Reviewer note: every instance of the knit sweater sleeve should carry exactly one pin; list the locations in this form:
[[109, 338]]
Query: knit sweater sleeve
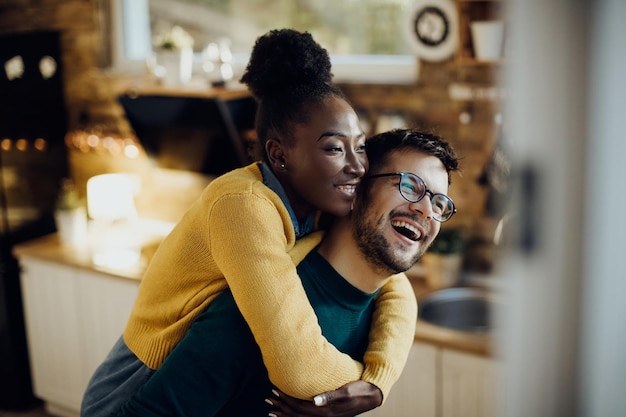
[[393, 325], [250, 237], [391, 334]]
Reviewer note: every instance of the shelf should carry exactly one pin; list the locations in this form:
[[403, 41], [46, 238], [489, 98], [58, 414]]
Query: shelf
[[472, 11], [471, 61]]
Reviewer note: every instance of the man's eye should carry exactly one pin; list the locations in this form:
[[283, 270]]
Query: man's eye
[[439, 203], [409, 188]]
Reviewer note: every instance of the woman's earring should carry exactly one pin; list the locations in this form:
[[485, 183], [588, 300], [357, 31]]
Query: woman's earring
[[283, 166]]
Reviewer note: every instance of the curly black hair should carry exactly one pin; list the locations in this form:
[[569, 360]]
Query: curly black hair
[[288, 73]]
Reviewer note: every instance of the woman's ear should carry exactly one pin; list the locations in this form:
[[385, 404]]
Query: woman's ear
[[275, 154]]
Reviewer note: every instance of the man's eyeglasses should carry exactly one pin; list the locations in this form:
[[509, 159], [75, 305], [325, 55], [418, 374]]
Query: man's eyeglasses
[[413, 189]]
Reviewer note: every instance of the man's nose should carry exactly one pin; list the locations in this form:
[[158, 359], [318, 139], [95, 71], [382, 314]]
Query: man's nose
[[423, 207]]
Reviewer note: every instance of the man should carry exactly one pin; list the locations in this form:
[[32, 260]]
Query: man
[[217, 370]]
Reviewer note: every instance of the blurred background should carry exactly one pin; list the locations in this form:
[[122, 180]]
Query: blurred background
[[531, 94]]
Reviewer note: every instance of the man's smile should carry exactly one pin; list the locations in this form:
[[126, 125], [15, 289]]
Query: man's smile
[[406, 229]]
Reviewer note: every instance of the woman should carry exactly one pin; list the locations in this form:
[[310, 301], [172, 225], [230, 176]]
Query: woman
[[241, 234]]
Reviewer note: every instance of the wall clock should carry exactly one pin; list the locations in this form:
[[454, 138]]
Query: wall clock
[[432, 28]]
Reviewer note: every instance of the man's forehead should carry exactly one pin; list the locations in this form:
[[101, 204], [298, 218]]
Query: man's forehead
[[404, 160], [425, 166]]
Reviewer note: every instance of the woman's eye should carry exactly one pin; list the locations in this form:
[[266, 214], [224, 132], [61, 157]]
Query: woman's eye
[[334, 149], [360, 148]]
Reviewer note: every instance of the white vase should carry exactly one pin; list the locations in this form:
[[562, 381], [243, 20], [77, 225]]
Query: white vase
[[488, 38], [72, 226], [176, 66]]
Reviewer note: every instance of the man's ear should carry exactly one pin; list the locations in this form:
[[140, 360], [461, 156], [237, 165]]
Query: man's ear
[[275, 154]]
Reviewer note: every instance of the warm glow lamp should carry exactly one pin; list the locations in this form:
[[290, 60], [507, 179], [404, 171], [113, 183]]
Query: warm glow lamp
[[111, 206], [110, 197]]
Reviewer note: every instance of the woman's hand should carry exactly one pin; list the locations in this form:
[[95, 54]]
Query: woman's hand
[[350, 400]]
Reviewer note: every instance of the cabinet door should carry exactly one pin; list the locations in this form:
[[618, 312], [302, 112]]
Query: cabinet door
[[73, 318], [105, 303], [415, 392], [52, 317], [468, 385]]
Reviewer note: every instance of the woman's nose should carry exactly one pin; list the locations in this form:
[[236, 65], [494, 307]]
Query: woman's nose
[[356, 164]]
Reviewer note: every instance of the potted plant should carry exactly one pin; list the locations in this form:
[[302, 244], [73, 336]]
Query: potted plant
[[174, 56], [443, 260]]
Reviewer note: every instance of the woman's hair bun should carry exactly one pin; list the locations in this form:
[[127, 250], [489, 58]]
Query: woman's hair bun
[[285, 59]]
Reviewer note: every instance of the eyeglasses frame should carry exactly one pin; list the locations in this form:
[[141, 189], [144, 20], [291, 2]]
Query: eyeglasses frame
[[426, 191]]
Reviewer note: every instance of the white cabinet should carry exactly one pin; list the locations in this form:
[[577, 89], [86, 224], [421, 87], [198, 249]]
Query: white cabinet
[[73, 318], [438, 382], [415, 392], [468, 384]]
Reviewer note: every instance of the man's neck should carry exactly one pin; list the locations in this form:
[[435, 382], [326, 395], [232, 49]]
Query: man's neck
[[340, 249]]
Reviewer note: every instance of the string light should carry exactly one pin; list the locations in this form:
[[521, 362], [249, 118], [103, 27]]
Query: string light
[[21, 144], [40, 144], [95, 141]]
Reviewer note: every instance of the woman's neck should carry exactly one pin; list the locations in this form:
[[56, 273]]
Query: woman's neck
[[301, 208]]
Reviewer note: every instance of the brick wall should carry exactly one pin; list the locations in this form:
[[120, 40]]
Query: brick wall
[[80, 23], [427, 104]]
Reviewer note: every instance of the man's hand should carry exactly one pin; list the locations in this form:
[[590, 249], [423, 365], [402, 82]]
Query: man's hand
[[352, 399]]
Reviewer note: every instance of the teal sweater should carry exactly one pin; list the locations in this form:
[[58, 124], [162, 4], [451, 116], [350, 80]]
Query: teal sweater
[[217, 369]]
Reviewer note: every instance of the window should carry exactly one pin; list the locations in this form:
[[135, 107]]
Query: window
[[365, 38]]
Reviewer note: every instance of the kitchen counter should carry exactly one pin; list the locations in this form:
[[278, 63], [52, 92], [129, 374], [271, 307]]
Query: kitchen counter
[[480, 343], [146, 237], [476, 343], [50, 249]]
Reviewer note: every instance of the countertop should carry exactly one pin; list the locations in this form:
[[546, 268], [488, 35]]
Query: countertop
[[479, 343], [49, 248], [144, 237]]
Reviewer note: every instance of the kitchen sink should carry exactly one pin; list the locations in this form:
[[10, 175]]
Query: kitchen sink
[[460, 308]]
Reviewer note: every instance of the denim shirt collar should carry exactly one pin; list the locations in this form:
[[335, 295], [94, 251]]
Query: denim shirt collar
[[269, 179]]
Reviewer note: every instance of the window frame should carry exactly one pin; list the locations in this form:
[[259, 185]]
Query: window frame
[[365, 69]]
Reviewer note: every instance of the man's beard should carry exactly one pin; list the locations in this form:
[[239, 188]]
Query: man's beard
[[376, 249]]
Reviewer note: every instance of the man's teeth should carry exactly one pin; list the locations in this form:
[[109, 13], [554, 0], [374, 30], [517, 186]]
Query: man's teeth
[[406, 229]]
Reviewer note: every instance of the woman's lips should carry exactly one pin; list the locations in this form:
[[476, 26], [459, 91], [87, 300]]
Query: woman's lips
[[347, 189]]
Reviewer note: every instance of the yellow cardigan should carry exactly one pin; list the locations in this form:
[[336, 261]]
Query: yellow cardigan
[[239, 234]]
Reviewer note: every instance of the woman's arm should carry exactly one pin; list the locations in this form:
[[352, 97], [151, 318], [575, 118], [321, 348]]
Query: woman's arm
[[205, 374], [358, 397], [392, 333], [249, 237], [350, 400]]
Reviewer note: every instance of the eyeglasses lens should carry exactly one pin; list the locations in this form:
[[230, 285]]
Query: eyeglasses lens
[[413, 189], [442, 206]]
